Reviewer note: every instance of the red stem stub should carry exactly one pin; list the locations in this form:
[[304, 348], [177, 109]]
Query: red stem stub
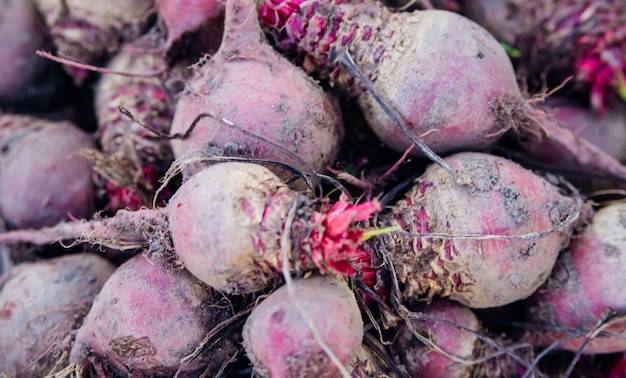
[[303, 25], [334, 240], [602, 49], [275, 13]]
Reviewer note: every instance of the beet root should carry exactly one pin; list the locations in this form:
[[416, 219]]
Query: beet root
[[445, 76], [41, 303], [133, 159], [422, 361], [486, 238], [256, 204], [585, 292], [273, 100], [456, 111], [278, 335], [43, 181], [147, 318]]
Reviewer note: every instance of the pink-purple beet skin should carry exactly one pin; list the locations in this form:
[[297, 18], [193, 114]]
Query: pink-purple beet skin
[[411, 60], [278, 335], [448, 79], [43, 179], [147, 318], [586, 289], [41, 304], [249, 84], [246, 200], [22, 33], [86, 31], [133, 159], [440, 251]]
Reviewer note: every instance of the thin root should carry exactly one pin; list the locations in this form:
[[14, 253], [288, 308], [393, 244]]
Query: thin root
[[89, 67]]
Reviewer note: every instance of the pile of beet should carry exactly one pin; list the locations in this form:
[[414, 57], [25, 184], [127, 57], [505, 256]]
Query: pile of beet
[[313, 188]]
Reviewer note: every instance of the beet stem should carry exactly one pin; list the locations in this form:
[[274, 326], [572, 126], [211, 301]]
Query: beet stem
[[123, 231]]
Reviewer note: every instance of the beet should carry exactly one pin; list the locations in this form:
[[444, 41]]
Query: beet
[[22, 33], [147, 318], [86, 31], [454, 350], [560, 38], [41, 304], [585, 290], [249, 84], [43, 179], [453, 239], [444, 80], [278, 335], [133, 159]]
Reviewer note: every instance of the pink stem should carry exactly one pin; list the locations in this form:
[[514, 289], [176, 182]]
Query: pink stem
[[89, 67], [241, 26], [126, 230]]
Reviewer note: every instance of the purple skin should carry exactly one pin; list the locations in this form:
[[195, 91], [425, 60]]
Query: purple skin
[[369, 33], [436, 321], [446, 76], [22, 33], [133, 159], [423, 362], [274, 100], [43, 180], [147, 318], [279, 340], [586, 286], [493, 196], [41, 304]]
